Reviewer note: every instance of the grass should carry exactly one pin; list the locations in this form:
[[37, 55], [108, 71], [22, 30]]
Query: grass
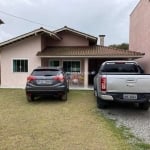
[[50, 124]]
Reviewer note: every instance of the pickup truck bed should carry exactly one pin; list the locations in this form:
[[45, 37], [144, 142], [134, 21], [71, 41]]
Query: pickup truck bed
[[123, 86]]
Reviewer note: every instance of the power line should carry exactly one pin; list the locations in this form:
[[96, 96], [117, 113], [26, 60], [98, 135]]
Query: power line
[[21, 18]]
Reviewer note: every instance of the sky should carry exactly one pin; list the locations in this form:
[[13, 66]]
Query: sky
[[94, 17]]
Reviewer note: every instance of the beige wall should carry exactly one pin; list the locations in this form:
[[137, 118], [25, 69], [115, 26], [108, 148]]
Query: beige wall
[[140, 32], [68, 39], [25, 49]]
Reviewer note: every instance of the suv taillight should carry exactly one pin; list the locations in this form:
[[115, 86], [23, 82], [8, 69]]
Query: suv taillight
[[103, 84], [59, 78], [30, 78]]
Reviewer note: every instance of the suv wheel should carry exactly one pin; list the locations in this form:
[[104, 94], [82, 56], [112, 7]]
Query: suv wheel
[[30, 98], [64, 96]]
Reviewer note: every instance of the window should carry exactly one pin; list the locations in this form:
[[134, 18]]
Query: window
[[128, 68], [71, 66], [45, 72], [54, 63], [20, 65]]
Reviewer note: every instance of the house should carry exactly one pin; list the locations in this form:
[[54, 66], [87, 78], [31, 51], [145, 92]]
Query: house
[[139, 39], [77, 52], [1, 22]]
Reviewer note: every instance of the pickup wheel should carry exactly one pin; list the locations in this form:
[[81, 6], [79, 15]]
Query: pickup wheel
[[101, 103], [144, 106], [95, 92]]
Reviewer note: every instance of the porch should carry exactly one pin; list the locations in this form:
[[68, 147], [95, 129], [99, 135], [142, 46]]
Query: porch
[[76, 69], [80, 71], [82, 63]]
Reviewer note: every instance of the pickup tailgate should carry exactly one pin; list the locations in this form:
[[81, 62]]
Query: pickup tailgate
[[128, 83]]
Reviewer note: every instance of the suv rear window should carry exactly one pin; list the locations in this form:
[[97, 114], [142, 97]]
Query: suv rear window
[[45, 72], [124, 68]]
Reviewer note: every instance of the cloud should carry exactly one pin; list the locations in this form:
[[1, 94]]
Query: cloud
[[16, 2], [4, 35], [90, 16]]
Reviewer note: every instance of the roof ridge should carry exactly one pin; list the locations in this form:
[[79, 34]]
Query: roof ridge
[[75, 31]]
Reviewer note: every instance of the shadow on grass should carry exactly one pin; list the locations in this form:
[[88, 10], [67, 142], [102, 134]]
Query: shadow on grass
[[47, 99]]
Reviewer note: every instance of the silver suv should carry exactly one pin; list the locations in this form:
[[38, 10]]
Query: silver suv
[[47, 81]]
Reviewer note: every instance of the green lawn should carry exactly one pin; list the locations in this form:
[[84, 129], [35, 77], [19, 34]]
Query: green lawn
[[49, 124]]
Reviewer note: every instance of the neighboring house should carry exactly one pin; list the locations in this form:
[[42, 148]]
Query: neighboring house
[[77, 52], [1, 22], [140, 32]]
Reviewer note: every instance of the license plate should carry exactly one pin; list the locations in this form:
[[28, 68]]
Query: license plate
[[44, 82], [130, 96]]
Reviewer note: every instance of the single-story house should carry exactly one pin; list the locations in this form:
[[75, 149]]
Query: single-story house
[[140, 32], [77, 52]]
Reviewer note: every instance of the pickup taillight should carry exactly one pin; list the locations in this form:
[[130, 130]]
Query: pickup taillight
[[103, 84], [31, 78]]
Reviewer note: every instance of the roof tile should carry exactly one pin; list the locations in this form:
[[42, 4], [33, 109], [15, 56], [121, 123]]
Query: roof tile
[[91, 51]]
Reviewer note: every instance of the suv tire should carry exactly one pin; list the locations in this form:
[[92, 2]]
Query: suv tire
[[64, 96], [30, 98]]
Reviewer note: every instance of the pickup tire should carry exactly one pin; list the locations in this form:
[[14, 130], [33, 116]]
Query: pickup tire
[[144, 106], [95, 92], [101, 103]]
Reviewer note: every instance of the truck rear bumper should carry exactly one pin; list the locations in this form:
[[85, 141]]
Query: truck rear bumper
[[141, 97], [107, 97]]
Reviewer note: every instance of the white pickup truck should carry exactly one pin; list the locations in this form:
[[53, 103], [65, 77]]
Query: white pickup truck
[[122, 81]]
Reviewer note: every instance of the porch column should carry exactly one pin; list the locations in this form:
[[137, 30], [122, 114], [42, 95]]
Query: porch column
[[86, 69]]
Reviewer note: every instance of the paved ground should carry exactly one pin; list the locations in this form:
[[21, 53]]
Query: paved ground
[[131, 116]]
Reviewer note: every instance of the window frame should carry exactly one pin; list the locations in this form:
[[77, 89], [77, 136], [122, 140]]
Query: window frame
[[53, 60], [20, 59], [72, 61]]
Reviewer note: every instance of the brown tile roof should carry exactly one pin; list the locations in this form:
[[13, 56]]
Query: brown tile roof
[[93, 51]]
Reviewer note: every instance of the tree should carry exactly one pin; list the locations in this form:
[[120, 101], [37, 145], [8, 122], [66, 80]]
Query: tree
[[124, 46]]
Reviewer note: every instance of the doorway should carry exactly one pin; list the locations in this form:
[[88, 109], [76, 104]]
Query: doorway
[[94, 65]]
